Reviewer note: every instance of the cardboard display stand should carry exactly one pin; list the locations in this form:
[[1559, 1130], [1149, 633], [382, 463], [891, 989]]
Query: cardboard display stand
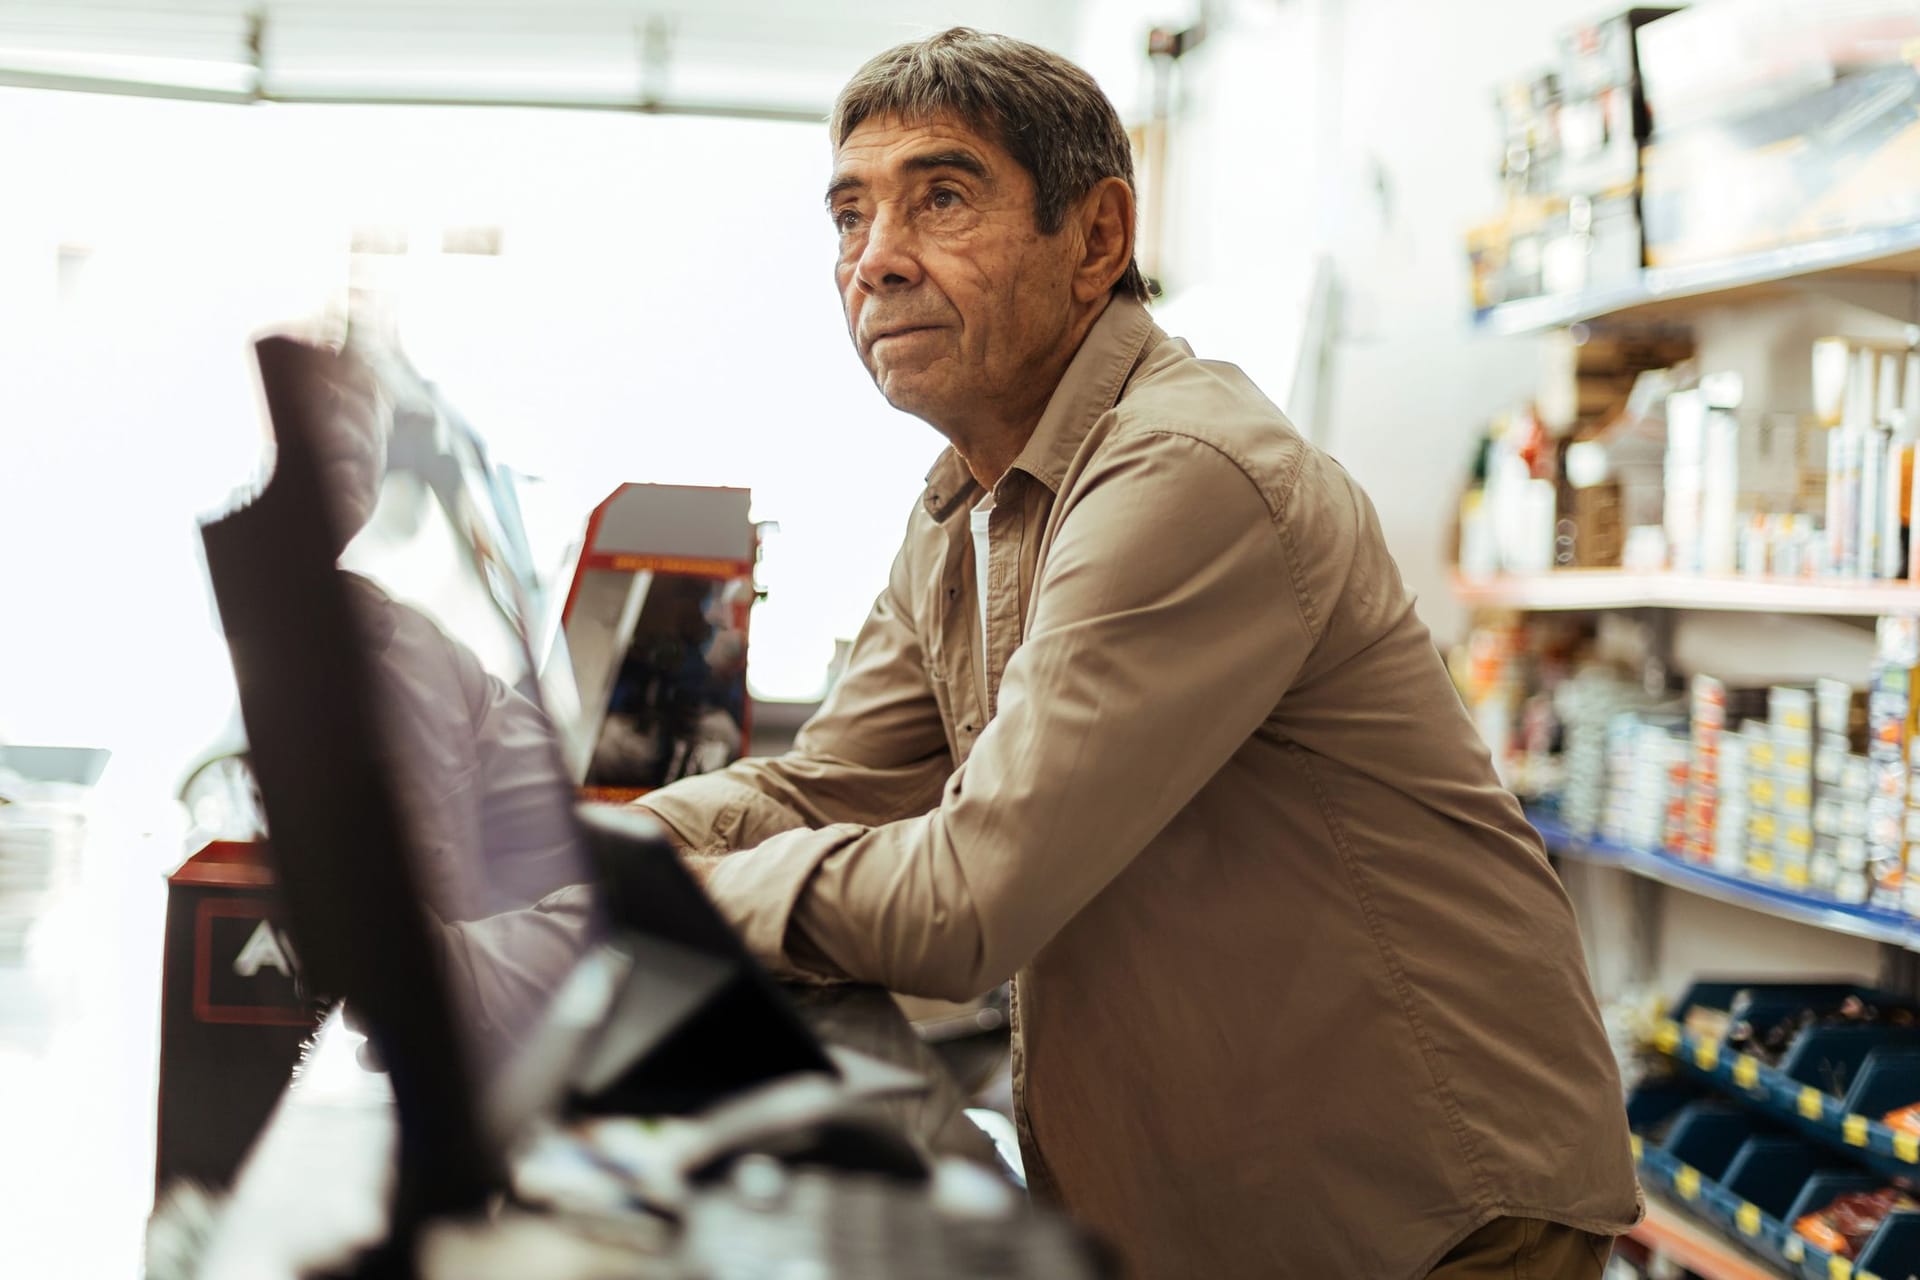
[[233, 1017], [655, 626]]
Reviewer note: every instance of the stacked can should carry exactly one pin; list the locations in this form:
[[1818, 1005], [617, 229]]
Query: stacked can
[[1730, 849], [1840, 831], [1840, 781], [1623, 737], [1890, 715], [1647, 785], [1588, 710], [1708, 716], [1763, 827], [1790, 718], [1675, 796], [1659, 749]]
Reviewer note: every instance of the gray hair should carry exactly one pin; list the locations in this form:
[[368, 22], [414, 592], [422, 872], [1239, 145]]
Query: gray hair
[[1046, 112]]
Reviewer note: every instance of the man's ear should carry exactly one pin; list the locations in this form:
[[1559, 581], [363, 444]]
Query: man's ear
[[1106, 230]]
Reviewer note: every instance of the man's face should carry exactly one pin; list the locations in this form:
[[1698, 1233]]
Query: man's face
[[957, 304]]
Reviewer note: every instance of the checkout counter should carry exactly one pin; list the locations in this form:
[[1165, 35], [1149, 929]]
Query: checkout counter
[[556, 1059], [311, 1193]]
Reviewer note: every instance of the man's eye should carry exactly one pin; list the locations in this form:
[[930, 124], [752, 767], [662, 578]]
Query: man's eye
[[944, 198], [845, 220]]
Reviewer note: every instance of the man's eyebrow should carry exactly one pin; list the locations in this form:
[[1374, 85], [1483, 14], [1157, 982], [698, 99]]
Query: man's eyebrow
[[842, 184], [962, 161], [965, 161]]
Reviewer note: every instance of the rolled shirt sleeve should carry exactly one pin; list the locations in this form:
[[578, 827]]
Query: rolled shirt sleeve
[[1169, 618]]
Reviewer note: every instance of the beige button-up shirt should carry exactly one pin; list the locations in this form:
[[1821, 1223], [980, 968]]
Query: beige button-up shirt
[[1297, 992]]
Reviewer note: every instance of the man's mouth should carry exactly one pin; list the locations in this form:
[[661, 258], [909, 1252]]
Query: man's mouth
[[901, 332]]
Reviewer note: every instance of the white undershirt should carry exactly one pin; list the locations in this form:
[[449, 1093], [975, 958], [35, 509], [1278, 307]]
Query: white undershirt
[[979, 518]]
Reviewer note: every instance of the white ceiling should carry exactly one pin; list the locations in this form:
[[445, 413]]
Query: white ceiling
[[754, 55]]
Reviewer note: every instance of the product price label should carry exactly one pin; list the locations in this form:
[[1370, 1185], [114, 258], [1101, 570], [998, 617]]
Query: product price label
[[1746, 1071], [1749, 1219], [1854, 1130], [1793, 1250], [1637, 1146], [1795, 876], [1687, 1182], [1839, 1268], [1812, 1103], [1666, 1036], [1907, 1147], [1706, 1055]]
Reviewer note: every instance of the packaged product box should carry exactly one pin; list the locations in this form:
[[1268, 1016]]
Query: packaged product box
[[1707, 707], [1841, 160], [1731, 60], [1603, 112], [1890, 721], [655, 622], [233, 1015], [1659, 744], [1763, 836], [1910, 888], [1839, 806], [1645, 788], [1673, 836], [1824, 871], [1617, 812], [1733, 811], [1592, 242], [1793, 845], [1834, 702]]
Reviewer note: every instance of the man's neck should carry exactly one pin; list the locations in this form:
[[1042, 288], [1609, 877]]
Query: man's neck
[[990, 443], [989, 458]]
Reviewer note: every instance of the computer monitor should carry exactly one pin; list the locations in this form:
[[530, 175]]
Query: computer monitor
[[434, 871]]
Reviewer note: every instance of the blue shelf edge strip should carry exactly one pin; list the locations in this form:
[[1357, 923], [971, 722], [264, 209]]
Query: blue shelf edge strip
[[1738, 1220], [1745, 1078], [1861, 922]]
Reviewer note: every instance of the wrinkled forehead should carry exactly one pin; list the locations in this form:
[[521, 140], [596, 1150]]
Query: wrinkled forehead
[[881, 142]]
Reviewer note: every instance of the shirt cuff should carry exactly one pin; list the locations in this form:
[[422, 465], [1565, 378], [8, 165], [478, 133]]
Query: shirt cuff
[[758, 889]]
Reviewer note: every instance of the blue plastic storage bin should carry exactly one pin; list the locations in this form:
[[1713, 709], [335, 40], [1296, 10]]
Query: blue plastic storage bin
[[1888, 1079], [1893, 1253]]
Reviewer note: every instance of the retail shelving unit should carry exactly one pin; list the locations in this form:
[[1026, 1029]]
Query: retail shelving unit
[[1708, 1227], [1571, 590], [1860, 922], [1868, 267]]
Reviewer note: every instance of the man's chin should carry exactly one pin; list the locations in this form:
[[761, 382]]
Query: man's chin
[[908, 395]]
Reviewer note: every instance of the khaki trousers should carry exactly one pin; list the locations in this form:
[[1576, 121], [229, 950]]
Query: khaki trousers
[[1526, 1249]]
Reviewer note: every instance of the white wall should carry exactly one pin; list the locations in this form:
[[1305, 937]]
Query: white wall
[[1240, 230]]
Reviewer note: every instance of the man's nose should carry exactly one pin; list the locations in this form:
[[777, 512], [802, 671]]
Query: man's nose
[[889, 259]]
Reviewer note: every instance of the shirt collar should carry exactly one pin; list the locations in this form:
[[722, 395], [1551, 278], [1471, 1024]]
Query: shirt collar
[[1090, 387]]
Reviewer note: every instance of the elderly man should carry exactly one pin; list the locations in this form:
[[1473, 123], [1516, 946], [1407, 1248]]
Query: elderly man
[[1144, 720]]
